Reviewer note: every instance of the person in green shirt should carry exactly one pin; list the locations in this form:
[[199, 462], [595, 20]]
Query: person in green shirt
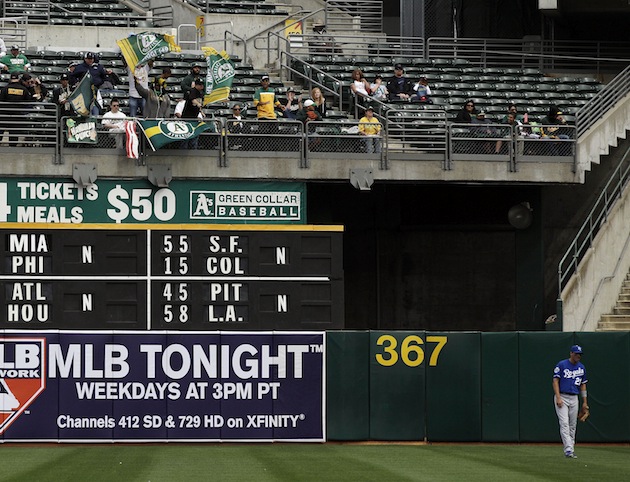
[[15, 61], [265, 100]]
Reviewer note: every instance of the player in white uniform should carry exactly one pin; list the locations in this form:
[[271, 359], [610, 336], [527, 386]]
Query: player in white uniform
[[569, 381]]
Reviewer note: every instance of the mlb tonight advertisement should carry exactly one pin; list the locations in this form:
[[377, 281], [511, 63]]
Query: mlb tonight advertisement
[[161, 386]]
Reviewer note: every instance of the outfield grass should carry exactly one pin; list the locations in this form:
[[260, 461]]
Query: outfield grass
[[312, 462]]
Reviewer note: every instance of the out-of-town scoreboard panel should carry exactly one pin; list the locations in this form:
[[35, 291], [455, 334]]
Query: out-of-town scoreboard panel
[[177, 277]]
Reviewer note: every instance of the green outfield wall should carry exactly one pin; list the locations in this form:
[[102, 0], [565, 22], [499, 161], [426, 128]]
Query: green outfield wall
[[470, 386]]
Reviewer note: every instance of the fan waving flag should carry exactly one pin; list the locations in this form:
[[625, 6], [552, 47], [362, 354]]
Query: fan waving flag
[[83, 97], [138, 49], [219, 76], [162, 132]]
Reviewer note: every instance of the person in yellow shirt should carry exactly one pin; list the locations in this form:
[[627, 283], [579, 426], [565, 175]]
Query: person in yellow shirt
[[265, 100], [370, 127]]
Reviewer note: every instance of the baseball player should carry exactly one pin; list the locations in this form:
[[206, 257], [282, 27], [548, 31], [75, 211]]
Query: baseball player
[[569, 382]]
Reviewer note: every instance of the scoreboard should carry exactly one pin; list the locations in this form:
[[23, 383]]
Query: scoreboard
[[171, 277]]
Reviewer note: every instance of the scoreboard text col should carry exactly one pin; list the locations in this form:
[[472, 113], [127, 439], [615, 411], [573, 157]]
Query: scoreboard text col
[[177, 277]]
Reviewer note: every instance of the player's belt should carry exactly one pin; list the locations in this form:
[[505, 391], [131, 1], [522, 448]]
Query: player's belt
[[567, 393]]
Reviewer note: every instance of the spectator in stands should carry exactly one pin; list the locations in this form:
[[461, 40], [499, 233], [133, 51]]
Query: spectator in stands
[[360, 87], [114, 121], [3, 48], [320, 101], [35, 87], [265, 100], [160, 82], [141, 76], [15, 61], [186, 83], [14, 91], [465, 115], [110, 81], [379, 91], [399, 86], [422, 91], [370, 127], [293, 105], [97, 72], [309, 112], [193, 110], [60, 96], [235, 121], [516, 124], [155, 106], [552, 124], [321, 42], [512, 109]]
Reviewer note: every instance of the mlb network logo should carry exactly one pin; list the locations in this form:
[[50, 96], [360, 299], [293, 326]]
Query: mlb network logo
[[22, 376]]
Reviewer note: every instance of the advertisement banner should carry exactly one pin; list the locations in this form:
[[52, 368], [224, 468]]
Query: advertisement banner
[[162, 386], [36, 200], [81, 131]]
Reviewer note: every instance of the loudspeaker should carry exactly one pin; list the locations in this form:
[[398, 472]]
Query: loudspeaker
[[520, 216]]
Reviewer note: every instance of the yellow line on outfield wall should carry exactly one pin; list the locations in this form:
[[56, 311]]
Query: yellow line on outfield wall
[[179, 227]]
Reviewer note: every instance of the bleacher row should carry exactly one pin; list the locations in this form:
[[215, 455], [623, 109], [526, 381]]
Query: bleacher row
[[59, 12], [453, 82]]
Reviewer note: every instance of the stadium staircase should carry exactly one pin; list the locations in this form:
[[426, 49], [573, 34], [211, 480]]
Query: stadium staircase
[[619, 319]]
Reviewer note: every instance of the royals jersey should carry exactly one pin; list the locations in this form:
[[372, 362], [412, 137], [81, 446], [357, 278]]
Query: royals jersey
[[571, 376]]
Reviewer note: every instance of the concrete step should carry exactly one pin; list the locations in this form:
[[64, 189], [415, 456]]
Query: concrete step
[[622, 310], [613, 325]]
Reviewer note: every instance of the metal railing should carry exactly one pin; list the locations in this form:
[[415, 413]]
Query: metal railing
[[556, 55], [595, 220], [603, 101], [407, 135], [364, 15], [14, 32]]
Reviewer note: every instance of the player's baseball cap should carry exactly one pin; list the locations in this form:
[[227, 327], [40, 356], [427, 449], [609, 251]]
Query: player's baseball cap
[[576, 349]]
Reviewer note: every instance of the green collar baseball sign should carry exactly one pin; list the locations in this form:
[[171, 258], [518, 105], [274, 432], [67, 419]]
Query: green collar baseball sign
[[30, 200]]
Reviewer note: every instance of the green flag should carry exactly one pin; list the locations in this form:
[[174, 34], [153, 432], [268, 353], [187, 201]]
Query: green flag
[[140, 48], [219, 76], [84, 95], [162, 132]]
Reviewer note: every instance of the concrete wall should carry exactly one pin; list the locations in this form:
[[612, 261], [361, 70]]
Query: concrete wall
[[595, 287]]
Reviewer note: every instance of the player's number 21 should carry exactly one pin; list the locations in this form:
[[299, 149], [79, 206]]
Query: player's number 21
[[411, 352]]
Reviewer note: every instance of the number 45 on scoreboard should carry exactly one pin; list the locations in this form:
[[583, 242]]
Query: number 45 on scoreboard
[[411, 351]]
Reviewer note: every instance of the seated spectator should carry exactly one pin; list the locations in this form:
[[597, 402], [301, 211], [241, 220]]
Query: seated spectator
[[359, 86], [511, 120], [512, 109], [15, 61], [114, 121], [186, 83], [422, 91], [320, 101], [370, 127], [399, 86], [321, 42], [35, 87], [293, 104], [552, 124], [482, 129], [60, 96], [235, 122], [465, 115], [379, 91], [308, 112]]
